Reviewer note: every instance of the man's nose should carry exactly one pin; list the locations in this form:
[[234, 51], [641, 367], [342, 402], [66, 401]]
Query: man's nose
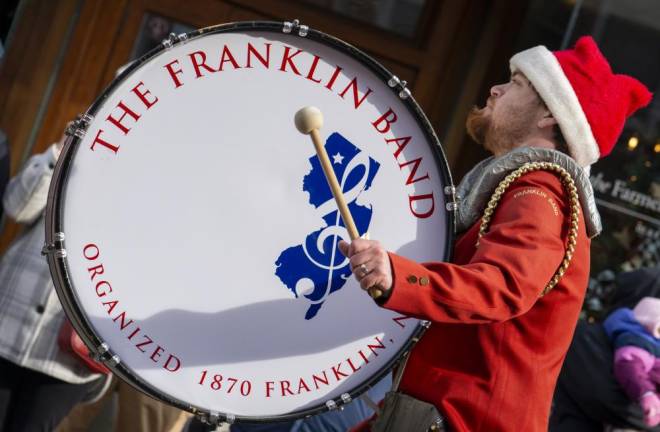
[[496, 90]]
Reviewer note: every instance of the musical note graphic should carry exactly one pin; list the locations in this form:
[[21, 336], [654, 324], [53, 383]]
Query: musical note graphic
[[315, 269]]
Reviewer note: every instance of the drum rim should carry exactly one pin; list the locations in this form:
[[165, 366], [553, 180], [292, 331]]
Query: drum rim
[[59, 267]]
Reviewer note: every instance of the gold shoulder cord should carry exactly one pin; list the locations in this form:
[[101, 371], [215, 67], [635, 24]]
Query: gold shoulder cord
[[569, 185]]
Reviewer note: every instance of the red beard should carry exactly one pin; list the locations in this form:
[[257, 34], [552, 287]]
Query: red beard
[[477, 125]]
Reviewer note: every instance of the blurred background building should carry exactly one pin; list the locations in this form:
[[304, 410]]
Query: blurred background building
[[57, 56]]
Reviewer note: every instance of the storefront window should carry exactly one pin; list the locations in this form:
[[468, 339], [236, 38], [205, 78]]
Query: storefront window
[[397, 16]]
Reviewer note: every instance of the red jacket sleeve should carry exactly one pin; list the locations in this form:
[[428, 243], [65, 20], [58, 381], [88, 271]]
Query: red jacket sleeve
[[505, 275]]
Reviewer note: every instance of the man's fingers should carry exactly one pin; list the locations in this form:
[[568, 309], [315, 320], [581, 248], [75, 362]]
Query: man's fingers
[[367, 281], [358, 259], [369, 262], [361, 245], [373, 278], [344, 247], [356, 246]]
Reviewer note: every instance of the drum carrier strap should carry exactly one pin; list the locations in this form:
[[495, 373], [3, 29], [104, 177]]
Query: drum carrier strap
[[569, 186]]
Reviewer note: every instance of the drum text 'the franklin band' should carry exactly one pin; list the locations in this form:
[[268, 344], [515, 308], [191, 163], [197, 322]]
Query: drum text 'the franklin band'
[[421, 205], [117, 118], [288, 60], [277, 58]]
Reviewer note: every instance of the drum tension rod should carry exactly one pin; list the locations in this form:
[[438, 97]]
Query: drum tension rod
[[290, 27], [173, 39], [396, 83], [78, 127]]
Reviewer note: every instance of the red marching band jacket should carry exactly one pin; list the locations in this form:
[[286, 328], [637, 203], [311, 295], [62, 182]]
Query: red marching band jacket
[[491, 357]]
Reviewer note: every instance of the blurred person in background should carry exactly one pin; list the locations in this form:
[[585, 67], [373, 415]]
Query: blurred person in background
[[39, 381], [131, 410], [4, 165], [588, 396], [635, 335]]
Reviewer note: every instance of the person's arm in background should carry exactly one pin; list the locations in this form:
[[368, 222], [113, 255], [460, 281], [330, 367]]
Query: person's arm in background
[[26, 195], [632, 366]]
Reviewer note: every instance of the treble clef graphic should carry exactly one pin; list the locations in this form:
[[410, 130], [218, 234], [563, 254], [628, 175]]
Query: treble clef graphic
[[336, 231]]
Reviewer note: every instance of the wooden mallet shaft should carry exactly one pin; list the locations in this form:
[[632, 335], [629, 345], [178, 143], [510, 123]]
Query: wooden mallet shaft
[[345, 212], [308, 121]]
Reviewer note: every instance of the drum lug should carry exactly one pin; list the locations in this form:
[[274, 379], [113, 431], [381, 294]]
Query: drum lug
[[396, 83], [78, 127], [230, 418], [452, 205], [290, 27], [47, 248], [213, 418], [56, 247], [331, 405], [346, 398], [101, 352], [113, 361], [172, 39], [104, 355], [425, 324]]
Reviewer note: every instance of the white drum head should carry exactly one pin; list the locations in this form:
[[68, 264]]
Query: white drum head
[[200, 233]]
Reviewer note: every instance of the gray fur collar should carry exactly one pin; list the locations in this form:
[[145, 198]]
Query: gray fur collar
[[478, 185]]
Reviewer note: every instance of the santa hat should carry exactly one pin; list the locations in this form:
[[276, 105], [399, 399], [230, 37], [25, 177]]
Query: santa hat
[[647, 313], [589, 102]]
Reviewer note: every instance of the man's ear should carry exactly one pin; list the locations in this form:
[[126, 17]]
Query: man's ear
[[548, 120]]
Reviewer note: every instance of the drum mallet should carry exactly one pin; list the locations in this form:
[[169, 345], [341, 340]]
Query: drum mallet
[[309, 120]]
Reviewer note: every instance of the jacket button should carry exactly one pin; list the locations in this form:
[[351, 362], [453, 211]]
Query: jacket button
[[412, 279], [40, 309], [423, 280]]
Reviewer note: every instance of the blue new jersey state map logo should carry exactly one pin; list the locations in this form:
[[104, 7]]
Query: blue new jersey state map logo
[[315, 268]]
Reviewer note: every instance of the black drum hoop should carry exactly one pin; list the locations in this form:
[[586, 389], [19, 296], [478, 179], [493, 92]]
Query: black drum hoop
[[55, 242]]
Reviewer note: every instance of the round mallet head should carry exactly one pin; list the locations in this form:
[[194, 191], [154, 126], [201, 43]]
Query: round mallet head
[[308, 119]]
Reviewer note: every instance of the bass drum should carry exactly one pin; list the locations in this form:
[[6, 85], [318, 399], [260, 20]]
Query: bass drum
[[192, 236]]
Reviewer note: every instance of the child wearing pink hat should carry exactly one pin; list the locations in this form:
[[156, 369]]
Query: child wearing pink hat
[[636, 337]]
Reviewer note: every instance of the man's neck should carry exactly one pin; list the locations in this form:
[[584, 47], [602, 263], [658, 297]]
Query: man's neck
[[538, 142]]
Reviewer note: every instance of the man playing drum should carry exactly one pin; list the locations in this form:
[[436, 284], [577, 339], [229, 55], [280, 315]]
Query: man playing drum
[[500, 330]]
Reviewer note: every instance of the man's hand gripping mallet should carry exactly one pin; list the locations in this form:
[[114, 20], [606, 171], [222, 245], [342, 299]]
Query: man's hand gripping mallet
[[308, 121]]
